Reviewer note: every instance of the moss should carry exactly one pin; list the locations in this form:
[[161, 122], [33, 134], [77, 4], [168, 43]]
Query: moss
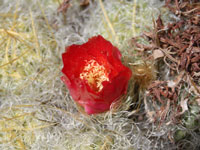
[[179, 135]]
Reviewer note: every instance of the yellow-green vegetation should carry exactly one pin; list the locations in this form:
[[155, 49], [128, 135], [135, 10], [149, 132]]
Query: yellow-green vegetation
[[130, 19], [26, 41], [18, 128]]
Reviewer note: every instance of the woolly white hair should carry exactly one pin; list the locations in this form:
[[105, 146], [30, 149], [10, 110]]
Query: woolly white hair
[[37, 111]]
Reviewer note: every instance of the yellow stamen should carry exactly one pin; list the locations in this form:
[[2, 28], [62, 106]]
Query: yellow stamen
[[95, 74]]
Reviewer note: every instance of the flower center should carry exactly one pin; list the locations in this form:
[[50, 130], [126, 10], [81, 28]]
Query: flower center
[[95, 74]]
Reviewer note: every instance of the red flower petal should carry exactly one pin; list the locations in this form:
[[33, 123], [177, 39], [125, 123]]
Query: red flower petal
[[94, 74]]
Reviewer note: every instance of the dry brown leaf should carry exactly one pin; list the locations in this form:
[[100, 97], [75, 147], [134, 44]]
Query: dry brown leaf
[[151, 116], [64, 6], [193, 87], [158, 54], [198, 101], [85, 3], [176, 81], [184, 105], [197, 74]]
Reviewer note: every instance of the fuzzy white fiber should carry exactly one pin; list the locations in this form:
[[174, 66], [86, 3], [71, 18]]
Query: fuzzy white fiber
[[36, 110]]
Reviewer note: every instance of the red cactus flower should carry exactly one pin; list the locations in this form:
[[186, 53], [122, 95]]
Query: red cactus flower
[[94, 74]]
